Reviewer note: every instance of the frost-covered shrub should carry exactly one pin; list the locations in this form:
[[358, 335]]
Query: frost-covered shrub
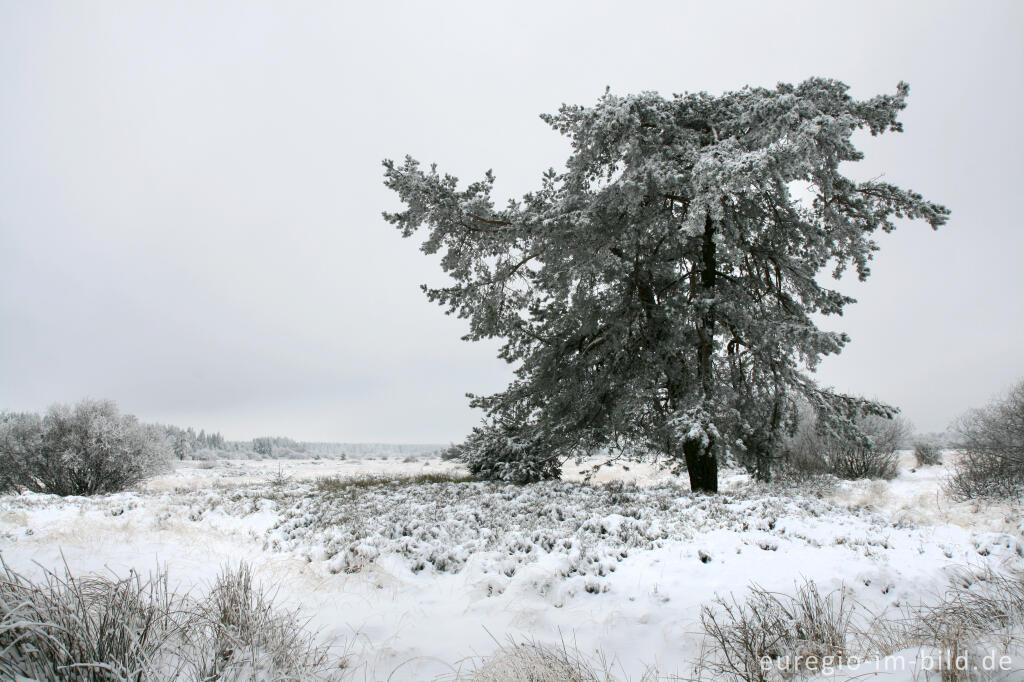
[[450, 453], [86, 449], [803, 454], [991, 441], [20, 435], [927, 454], [853, 462], [499, 453], [873, 454], [876, 457]]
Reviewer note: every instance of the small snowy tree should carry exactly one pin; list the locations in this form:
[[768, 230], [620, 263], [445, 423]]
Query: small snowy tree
[[664, 284], [502, 453], [86, 449]]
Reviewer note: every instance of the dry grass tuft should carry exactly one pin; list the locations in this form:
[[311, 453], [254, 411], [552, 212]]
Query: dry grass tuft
[[109, 629], [535, 662], [84, 629], [982, 611], [238, 633], [754, 640]]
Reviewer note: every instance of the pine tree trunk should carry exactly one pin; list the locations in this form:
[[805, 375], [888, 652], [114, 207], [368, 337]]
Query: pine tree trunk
[[701, 462], [767, 450], [701, 465], [763, 464], [708, 281]]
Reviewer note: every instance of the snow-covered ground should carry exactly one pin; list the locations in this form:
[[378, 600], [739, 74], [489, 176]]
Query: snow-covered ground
[[412, 580]]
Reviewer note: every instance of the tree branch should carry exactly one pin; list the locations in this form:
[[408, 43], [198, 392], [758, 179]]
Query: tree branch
[[488, 221]]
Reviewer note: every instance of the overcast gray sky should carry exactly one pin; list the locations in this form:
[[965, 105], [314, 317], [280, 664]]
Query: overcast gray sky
[[190, 193]]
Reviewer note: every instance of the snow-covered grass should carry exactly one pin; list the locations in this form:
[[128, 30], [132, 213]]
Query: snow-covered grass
[[416, 573], [134, 629]]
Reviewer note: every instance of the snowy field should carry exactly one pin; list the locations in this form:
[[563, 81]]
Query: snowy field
[[412, 581]]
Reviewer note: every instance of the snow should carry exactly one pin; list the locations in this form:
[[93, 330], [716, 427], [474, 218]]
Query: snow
[[411, 580]]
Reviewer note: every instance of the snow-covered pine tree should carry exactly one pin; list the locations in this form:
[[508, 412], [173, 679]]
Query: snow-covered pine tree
[[656, 295]]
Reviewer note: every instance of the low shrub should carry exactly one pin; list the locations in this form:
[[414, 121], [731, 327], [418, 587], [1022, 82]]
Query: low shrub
[[803, 456], [876, 458], [853, 462], [87, 449], [991, 441], [810, 453], [927, 454]]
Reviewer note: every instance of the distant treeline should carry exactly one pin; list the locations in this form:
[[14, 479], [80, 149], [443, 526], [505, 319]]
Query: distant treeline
[[184, 442], [188, 443], [368, 449]]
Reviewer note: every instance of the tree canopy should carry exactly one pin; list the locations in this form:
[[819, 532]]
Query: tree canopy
[[657, 295]]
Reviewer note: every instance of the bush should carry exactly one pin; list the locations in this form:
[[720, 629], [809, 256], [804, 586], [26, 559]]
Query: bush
[[802, 458], [927, 454], [877, 457], [809, 452], [87, 449], [991, 441], [853, 462], [450, 453]]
